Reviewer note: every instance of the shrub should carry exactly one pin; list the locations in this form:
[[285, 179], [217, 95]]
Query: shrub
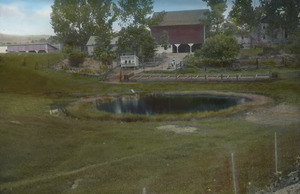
[[271, 50], [219, 50], [76, 58], [269, 62]]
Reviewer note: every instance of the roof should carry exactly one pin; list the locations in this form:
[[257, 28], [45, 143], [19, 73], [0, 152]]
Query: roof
[[91, 41], [31, 44], [188, 17]]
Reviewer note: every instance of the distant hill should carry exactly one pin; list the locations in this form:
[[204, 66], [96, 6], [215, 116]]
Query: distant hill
[[16, 39]]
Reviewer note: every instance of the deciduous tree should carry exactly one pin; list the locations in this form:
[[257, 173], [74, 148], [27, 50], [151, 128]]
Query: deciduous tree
[[136, 19], [215, 18], [242, 14], [74, 21]]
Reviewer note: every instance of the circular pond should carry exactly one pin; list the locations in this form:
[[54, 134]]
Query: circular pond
[[153, 104]]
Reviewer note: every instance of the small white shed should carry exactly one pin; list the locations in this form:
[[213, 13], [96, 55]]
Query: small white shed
[[129, 61], [3, 49]]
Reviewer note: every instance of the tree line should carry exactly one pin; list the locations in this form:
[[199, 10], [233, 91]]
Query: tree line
[[74, 21]]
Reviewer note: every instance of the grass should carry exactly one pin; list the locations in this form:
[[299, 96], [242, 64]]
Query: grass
[[41, 153]]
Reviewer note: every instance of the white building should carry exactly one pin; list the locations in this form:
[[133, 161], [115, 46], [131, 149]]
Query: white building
[[91, 44], [129, 61], [3, 49]]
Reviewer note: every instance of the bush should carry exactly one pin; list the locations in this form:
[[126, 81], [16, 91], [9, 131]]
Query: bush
[[219, 51], [76, 58], [269, 62], [271, 50]]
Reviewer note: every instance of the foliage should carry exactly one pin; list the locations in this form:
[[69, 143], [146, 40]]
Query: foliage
[[215, 18], [136, 13], [242, 14], [135, 36], [268, 62], [136, 40], [103, 50], [219, 50], [75, 21], [164, 39], [270, 50], [76, 58], [282, 14]]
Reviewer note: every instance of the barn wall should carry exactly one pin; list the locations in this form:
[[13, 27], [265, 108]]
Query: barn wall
[[182, 34]]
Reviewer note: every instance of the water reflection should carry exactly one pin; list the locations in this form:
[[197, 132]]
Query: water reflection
[[162, 103]]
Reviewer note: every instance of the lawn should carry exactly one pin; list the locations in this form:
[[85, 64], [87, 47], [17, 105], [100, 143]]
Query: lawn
[[43, 153]]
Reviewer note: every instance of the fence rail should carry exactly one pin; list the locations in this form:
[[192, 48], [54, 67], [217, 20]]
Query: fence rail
[[199, 78]]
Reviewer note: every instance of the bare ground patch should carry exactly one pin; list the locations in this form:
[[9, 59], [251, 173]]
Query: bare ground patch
[[278, 115], [177, 129]]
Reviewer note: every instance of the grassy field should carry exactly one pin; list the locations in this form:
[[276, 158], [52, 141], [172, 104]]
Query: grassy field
[[43, 153]]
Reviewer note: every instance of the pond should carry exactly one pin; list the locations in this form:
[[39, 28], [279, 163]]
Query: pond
[[167, 104]]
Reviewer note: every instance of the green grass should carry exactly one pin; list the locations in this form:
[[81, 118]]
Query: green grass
[[41, 153]]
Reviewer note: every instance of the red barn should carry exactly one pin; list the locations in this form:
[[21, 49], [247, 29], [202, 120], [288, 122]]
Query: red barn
[[183, 29]]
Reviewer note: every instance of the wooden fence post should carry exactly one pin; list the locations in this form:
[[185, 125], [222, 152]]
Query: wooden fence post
[[276, 156], [233, 174]]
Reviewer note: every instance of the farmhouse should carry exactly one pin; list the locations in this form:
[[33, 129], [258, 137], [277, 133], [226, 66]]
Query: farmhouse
[[32, 48], [91, 44], [183, 31], [261, 36]]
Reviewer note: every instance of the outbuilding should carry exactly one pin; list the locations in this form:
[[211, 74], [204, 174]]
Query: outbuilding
[[31, 48], [3, 49], [129, 61]]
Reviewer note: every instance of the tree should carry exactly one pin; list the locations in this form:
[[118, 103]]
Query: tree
[[103, 50], [136, 19], [282, 14], [242, 14], [215, 18], [74, 21], [219, 50], [135, 12], [137, 40], [164, 39]]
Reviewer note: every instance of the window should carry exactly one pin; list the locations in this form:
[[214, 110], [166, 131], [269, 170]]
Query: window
[[125, 61], [264, 37]]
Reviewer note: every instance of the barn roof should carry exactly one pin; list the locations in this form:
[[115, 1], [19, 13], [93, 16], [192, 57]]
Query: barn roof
[[187, 17]]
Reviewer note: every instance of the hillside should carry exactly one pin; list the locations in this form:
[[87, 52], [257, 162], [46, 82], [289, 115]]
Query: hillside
[[18, 39]]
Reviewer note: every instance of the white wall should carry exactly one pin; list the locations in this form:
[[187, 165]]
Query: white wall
[[3, 49], [129, 61], [160, 49], [90, 50]]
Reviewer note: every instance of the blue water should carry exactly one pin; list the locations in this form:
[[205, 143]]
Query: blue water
[[167, 104]]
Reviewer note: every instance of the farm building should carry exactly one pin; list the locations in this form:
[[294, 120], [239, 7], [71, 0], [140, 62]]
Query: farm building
[[183, 30], [91, 44], [3, 49], [129, 61], [262, 35], [32, 48]]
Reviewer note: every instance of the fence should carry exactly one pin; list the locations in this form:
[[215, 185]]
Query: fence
[[199, 78]]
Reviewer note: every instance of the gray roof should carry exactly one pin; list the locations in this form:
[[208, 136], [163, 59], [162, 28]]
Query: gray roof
[[188, 17], [91, 41]]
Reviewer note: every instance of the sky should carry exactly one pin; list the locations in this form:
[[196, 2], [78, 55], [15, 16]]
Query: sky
[[32, 17]]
